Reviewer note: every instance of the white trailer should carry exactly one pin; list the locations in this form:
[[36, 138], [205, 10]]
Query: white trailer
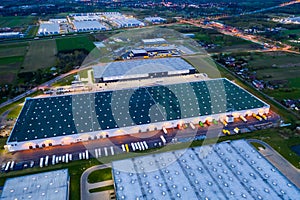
[[53, 159], [123, 147], [96, 153], [112, 150], [136, 146], [56, 159], [46, 160], [86, 154], [41, 162], [139, 146], [145, 144], [105, 151], [192, 126], [142, 145], [99, 152], [12, 164], [165, 130], [163, 139], [7, 166], [67, 158]]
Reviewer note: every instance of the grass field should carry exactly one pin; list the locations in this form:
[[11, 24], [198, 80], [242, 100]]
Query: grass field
[[100, 175], [11, 59], [14, 113], [10, 50], [204, 64], [41, 54], [17, 21], [73, 43], [9, 67], [65, 81], [275, 61]]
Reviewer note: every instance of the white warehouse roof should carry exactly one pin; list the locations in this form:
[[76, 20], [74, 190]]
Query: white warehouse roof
[[48, 29], [155, 41], [138, 68], [155, 19], [42, 186], [88, 25], [223, 171]]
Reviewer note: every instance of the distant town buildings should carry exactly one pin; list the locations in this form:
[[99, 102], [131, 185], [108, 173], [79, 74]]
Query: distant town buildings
[[155, 20], [288, 20], [85, 22]]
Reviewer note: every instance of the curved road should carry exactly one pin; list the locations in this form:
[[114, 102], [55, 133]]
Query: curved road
[[286, 168], [85, 186]]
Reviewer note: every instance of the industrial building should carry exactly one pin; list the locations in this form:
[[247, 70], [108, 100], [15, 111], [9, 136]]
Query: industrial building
[[85, 26], [127, 22], [155, 20], [58, 20], [233, 170], [145, 68], [155, 41], [49, 28], [62, 120], [87, 18], [42, 186]]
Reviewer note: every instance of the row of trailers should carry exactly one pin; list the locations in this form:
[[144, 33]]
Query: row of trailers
[[44, 161], [228, 119]]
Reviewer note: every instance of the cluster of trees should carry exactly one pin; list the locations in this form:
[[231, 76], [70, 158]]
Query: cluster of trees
[[67, 61]]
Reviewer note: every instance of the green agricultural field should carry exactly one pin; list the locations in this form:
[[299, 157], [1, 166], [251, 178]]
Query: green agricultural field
[[9, 67], [9, 50], [274, 60], [17, 21], [73, 43], [41, 54]]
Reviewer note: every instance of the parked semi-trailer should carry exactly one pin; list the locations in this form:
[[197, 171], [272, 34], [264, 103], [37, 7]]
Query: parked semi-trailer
[[165, 130], [243, 118], [224, 123], [201, 124], [257, 117]]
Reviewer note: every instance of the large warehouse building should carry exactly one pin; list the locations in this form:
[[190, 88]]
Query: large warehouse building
[[85, 26], [49, 28], [145, 68], [42, 186], [223, 171], [61, 120]]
